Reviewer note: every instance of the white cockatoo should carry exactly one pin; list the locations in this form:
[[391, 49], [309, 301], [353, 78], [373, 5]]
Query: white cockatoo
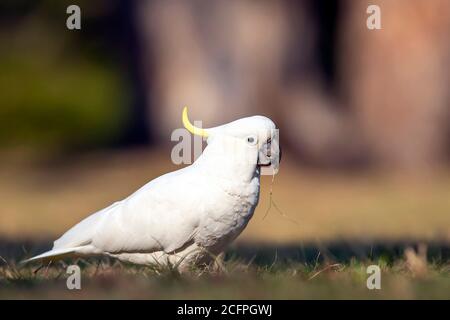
[[187, 216]]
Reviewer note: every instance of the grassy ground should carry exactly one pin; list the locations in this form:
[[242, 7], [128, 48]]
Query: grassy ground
[[235, 280], [320, 233]]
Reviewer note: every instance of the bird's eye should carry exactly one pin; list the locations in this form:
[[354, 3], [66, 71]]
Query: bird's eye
[[251, 140]]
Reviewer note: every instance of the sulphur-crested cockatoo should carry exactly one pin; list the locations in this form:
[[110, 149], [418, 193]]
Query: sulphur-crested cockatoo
[[189, 215]]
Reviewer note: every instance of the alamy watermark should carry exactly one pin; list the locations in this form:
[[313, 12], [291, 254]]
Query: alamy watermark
[[374, 280], [73, 281], [374, 19], [73, 21]]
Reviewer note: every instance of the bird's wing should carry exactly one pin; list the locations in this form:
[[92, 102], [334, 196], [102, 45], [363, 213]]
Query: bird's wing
[[83, 232], [161, 216]]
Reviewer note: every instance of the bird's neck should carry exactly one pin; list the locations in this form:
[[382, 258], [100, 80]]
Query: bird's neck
[[229, 158]]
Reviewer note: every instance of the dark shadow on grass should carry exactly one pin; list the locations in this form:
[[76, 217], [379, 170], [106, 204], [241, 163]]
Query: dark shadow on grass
[[264, 254], [342, 251]]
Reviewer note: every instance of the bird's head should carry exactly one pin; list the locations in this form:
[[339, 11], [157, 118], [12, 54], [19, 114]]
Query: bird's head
[[257, 136]]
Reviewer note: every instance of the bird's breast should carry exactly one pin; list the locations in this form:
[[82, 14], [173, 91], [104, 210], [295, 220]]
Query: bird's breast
[[234, 207]]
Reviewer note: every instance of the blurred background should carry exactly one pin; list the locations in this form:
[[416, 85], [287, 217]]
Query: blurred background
[[86, 115]]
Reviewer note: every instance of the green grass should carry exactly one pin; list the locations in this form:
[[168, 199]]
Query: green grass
[[106, 279]]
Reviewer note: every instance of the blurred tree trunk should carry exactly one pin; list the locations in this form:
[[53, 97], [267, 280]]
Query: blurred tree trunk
[[139, 130], [221, 58], [396, 79]]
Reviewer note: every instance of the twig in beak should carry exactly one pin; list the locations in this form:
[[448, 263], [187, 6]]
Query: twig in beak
[[272, 203]]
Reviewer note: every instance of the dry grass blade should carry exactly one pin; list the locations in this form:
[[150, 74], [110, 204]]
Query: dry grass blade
[[325, 269]]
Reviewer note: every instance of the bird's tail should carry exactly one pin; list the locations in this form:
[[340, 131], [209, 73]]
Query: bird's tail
[[54, 253]]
